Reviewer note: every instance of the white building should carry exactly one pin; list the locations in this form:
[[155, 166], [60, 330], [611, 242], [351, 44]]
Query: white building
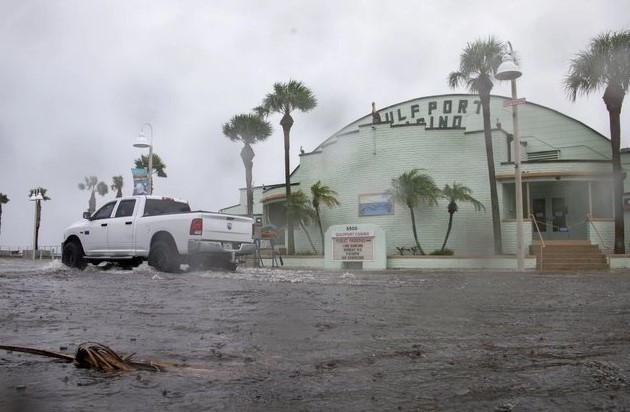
[[567, 181]]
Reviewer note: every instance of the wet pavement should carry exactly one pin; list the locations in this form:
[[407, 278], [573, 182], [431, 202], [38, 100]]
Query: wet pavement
[[304, 340]]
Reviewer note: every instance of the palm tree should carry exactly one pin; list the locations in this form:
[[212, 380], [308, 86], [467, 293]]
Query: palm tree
[[3, 199], [38, 210], [457, 193], [156, 164], [249, 129], [477, 65], [117, 185], [299, 209], [93, 185], [322, 195], [285, 98], [606, 65], [412, 189]]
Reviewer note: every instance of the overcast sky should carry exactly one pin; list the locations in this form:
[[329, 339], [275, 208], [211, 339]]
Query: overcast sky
[[78, 78]]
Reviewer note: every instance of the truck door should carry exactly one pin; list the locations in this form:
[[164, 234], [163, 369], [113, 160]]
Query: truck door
[[94, 237], [120, 236]]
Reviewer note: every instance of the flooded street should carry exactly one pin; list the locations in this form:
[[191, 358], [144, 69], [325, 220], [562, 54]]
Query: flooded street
[[299, 340]]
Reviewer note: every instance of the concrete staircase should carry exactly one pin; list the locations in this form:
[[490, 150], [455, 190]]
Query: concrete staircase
[[569, 255]]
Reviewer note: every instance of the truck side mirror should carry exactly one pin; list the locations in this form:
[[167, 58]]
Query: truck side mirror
[[86, 215]]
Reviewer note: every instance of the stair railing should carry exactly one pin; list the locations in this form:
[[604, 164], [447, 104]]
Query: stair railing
[[542, 241], [589, 218]]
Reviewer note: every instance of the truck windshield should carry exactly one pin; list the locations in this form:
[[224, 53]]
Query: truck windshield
[[154, 207]]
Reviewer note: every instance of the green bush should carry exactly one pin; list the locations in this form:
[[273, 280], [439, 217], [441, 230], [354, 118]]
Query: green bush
[[439, 252]]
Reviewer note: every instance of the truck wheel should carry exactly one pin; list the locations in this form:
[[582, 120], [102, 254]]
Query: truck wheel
[[163, 257], [72, 255]]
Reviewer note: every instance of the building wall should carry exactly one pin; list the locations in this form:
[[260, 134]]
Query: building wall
[[365, 162], [443, 136]]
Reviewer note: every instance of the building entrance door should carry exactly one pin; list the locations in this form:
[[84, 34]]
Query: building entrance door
[[559, 215], [551, 216]]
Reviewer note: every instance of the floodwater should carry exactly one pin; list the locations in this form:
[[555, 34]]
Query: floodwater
[[272, 339]]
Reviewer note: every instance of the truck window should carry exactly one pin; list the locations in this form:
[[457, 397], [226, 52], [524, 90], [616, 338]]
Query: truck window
[[104, 212], [154, 207], [125, 208]]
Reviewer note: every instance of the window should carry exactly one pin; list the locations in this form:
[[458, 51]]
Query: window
[[125, 208], [155, 207], [105, 212]]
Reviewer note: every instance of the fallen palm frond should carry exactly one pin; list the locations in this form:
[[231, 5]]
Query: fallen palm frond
[[41, 352], [93, 356]]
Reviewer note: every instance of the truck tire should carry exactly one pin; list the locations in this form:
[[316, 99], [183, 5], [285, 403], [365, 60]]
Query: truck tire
[[72, 255], [164, 257]]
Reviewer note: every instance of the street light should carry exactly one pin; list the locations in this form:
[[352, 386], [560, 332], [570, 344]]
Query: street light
[[36, 196], [143, 143], [508, 70]]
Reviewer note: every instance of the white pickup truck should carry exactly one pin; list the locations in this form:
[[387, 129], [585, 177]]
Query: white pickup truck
[[162, 230]]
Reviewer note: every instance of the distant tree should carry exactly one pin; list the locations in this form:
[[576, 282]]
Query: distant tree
[[38, 210], [299, 209], [117, 185], [3, 200], [285, 98], [457, 193], [249, 129], [478, 64], [606, 65], [322, 195], [93, 185], [412, 189], [157, 165]]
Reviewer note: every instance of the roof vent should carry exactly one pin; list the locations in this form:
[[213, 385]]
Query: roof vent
[[544, 155]]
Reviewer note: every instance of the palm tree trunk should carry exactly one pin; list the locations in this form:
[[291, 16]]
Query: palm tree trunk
[[448, 231], [0, 218], [494, 198], [321, 230], [415, 233], [92, 203], [39, 219], [308, 236], [247, 154], [286, 124], [613, 97]]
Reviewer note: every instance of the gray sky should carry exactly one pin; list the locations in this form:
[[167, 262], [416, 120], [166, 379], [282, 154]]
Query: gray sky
[[78, 78]]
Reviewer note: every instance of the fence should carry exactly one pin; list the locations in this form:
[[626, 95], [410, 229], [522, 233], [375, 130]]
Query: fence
[[43, 252]]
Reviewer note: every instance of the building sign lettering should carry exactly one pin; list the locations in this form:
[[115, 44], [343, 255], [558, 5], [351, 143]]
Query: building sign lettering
[[446, 114], [353, 245]]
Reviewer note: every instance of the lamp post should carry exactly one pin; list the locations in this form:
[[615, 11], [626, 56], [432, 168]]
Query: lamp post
[[508, 70], [141, 142], [36, 196]]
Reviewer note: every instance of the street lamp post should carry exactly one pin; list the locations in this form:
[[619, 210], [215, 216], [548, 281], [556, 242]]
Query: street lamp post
[[36, 196], [508, 70], [142, 143]]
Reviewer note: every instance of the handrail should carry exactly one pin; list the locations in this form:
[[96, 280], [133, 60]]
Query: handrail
[[589, 218], [542, 241]]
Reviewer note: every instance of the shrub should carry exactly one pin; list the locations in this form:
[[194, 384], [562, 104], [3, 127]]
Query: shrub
[[439, 252], [401, 250]]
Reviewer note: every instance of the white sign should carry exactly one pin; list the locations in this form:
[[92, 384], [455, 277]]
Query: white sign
[[353, 244], [513, 102], [349, 249]]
